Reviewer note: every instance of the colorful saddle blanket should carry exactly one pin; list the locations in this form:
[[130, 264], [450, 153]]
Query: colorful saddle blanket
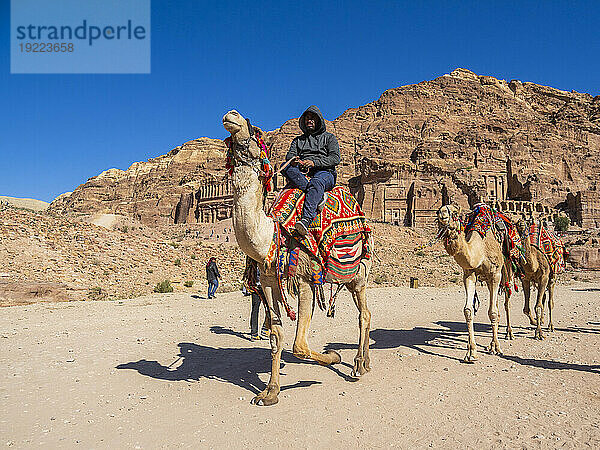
[[483, 218], [549, 244], [337, 237]]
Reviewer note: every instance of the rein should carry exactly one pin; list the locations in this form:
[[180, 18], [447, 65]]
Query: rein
[[238, 154], [440, 234]]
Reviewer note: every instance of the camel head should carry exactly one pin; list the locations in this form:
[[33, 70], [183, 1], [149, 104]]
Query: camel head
[[243, 143], [448, 222], [522, 227], [448, 217]]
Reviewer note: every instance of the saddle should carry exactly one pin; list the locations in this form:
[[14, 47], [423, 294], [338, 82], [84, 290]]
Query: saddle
[[337, 238], [483, 219], [549, 244]]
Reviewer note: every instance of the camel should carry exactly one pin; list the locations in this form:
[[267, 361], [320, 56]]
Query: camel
[[478, 257], [537, 270], [254, 232]]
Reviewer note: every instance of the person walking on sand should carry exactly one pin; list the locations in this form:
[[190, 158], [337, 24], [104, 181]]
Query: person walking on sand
[[256, 302], [315, 153], [212, 275]]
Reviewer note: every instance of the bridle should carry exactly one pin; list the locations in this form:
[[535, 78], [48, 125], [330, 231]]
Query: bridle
[[444, 230], [240, 151], [239, 155]]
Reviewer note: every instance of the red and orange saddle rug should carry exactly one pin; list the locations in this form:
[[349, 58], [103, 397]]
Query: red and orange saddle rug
[[549, 244], [337, 237], [483, 219]]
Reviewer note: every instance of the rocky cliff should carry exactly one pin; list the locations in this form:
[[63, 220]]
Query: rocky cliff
[[149, 191], [546, 140]]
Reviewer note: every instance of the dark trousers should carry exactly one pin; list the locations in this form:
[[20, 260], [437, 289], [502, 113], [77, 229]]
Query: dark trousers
[[320, 182], [212, 287], [256, 301]]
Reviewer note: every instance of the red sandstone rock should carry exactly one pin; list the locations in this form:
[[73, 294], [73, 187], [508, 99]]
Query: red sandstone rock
[[403, 155], [584, 257], [25, 292]]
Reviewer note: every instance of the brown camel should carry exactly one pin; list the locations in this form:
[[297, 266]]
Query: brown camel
[[478, 257], [537, 270], [254, 233]]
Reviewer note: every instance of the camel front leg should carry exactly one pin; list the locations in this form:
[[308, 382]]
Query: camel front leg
[[362, 363], [269, 396], [493, 285], [526, 308], [509, 333], [301, 348], [539, 308], [469, 280]]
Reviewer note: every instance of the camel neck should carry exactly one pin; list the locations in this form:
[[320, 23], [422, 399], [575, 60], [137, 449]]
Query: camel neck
[[528, 254], [253, 228], [463, 251]]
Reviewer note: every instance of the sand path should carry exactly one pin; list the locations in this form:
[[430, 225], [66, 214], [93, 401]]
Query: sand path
[[169, 370]]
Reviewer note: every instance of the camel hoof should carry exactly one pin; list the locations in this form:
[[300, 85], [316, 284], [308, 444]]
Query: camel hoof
[[267, 401], [335, 356], [539, 336], [495, 350], [360, 368], [469, 358], [358, 373], [267, 397], [550, 328], [509, 335]]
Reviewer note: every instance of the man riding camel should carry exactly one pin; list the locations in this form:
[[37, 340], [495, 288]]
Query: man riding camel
[[316, 153]]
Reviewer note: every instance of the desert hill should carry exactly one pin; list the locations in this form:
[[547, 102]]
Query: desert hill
[[545, 139], [27, 203], [46, 256]]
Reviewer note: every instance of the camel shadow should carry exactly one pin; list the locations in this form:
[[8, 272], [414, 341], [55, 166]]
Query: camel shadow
[[428, 340], [556, 365], [453, 335], [238, 366], [217, 329], [422, 339], [579, 330]]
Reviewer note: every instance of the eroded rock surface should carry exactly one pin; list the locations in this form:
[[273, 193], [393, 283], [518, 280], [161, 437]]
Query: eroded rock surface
[[149, 191], [546, 141]]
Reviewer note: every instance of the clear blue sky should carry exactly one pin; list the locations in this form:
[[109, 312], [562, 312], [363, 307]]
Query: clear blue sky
[[270, 60]]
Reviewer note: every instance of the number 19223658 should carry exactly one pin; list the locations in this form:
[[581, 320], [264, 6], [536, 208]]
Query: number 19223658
[[46, 47]]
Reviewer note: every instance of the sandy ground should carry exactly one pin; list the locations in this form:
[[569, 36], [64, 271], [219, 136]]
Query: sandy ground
[[170, 370]]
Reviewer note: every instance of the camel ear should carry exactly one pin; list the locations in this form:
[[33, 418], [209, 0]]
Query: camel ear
[[456, 212]]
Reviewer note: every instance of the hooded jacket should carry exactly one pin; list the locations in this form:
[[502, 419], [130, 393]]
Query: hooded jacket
[[212, 272], [320, 146]]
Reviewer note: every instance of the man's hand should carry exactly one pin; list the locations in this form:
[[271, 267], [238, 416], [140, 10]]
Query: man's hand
[[306, 163]]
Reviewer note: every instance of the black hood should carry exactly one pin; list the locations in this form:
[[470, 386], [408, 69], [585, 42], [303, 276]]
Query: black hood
[[320, 125]]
